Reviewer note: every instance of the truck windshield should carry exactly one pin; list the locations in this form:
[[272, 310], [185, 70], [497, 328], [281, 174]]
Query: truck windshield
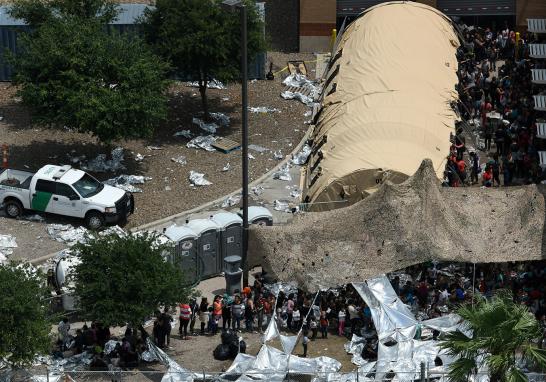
[[88, 186]]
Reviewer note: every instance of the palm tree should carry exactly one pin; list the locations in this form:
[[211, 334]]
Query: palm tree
[[503, 332]]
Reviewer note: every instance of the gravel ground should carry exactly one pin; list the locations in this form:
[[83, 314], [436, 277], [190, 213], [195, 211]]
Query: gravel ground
[[33, 146]]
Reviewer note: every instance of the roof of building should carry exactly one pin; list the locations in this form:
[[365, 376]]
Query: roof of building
[[128, 15]]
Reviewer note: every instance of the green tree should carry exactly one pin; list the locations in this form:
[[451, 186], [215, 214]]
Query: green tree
[[201, 40], [74, 73], [24, 324], [502, 331], [123, 280]]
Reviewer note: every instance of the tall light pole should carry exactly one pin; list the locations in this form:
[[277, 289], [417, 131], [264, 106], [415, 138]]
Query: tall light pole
[[240, 5]]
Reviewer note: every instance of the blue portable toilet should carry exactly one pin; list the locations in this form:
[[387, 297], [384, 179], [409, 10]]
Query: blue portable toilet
[[231, 235], [185, 251], [208, 251]]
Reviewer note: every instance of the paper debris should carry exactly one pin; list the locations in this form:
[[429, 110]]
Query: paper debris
[[295, 193], [7, 243], [283, 173], [263, 109], [126, 182], [231, 201], [278, 155], [181, 159], [139, 157], [257, 190], [208, 127], [183, 133], [258, 148], [301, 157], [226, 167], [202, 142], [151, 148], [308, 113], [101, 164], [281, 205], [250, 156], [198, 179], [212, 84], [66, 233]]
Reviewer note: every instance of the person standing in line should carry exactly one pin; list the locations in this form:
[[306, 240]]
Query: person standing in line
[[203, 310], [353, 316], [304, 343], [185, 317], [341, 321], [290, 311], [260, 311], [194, 310], [64, 336], [249, 315], [324, 324], [216, 313], [227, 302], [237, 312], [165, 321], [314, 329]]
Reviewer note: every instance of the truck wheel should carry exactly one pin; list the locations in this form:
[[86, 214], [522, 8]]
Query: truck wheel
[[94, 220], [13, 208]]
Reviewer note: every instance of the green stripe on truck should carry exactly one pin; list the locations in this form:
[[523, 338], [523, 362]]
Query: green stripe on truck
[[41, 200]]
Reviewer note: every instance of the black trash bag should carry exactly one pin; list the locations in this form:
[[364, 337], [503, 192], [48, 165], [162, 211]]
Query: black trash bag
[[228, 337], [242, 347], [222, 352]]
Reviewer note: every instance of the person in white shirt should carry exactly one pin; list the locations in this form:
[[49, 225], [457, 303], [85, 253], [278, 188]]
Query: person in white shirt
[[64, 336], [341, 322]]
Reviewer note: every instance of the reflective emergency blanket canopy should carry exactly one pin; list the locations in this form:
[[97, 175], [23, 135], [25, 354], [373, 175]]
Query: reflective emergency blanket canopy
[[386, 104]]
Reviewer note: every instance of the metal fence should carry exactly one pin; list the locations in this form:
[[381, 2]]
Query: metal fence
[[267, 375]]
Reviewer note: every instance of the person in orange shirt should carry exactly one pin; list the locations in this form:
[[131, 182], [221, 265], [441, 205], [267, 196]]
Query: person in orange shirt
[[216, 313], [185, 316]]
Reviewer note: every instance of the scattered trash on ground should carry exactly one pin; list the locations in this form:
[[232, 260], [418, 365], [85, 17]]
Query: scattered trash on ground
[[257, 190], [301, 157], [181, 159], [198, 179], [308, 113], [221, 120], [283, 173], [226, 167], [34, 218], [7, 243], [183, 133], [139, 157], [152, 148], [66, 233], [263, 109], [281, 205], [278, 155], [250, 156], [295, 193], [258, 148], [202, 142], [101, 164], [212, 84], [231, 201], [126, 182]]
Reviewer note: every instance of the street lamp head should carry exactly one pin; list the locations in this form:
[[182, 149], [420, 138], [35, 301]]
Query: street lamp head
[[231, 5]]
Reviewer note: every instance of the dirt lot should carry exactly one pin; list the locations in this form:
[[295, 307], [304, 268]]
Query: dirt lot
[[169, 190]]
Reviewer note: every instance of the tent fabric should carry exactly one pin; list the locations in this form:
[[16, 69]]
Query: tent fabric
[[386, 103], [401, 225]]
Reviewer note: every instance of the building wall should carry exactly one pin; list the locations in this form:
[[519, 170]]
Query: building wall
[[282, 24], [529, 9], [316, 24]]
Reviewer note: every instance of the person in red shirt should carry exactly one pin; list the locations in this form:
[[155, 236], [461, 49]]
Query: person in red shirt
[[461, 168], [185, 316], [487, 177]]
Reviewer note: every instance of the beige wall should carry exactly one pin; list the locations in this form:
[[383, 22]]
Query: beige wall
[[317, 19], [529, 9]]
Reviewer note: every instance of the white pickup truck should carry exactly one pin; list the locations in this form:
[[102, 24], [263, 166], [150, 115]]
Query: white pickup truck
[[64, 191]]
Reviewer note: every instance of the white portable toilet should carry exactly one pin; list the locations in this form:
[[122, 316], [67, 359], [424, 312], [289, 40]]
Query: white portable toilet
[[259, 215], [63, 267], [208, 251], [185, 251], [231, 235]]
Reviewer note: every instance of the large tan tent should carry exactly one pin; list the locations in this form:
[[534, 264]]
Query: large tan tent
[[386, 104]]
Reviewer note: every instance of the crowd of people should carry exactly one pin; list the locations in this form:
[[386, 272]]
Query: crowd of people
[[496, 94]]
